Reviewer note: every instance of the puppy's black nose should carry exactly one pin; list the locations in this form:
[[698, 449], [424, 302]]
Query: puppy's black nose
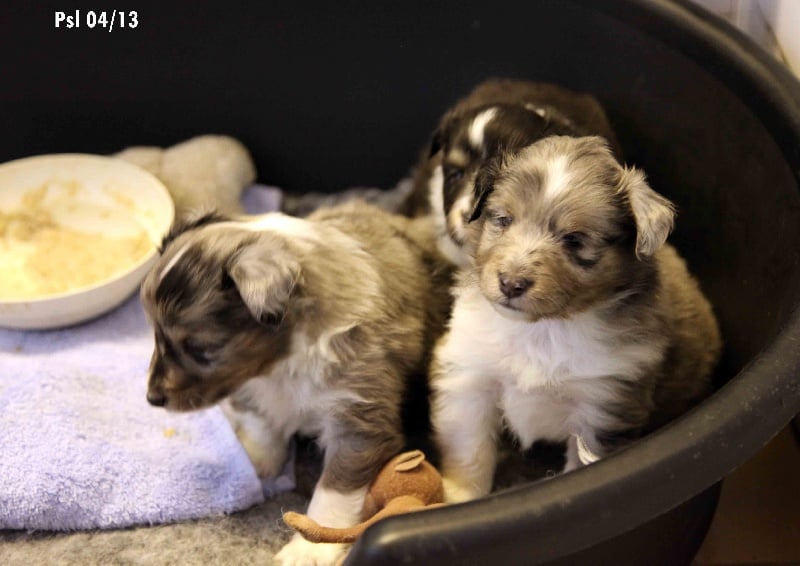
[[156, 399], [514, 286]]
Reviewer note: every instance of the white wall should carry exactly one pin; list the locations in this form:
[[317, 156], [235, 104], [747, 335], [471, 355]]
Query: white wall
[[774, 24], [783, 16]]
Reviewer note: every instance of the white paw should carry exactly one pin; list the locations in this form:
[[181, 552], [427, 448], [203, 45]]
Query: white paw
[[300, 552], [458, 492]]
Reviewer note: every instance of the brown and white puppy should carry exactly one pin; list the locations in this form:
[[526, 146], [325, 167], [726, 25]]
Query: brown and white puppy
[[499, 115], [574, 320], [310, 325]]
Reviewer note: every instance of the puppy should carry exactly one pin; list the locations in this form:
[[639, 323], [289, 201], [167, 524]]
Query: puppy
[[310, 325], [498, 115], [574, 320]]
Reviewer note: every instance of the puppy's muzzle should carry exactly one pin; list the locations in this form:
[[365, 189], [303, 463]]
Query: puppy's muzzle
[[156, 398], [513, 287]]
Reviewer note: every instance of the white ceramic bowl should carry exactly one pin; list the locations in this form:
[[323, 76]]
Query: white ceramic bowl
[[107, 198]]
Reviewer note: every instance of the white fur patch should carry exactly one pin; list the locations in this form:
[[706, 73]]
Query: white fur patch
[[171, 263], [334, 508], [279, 223], [445, 243], [533, 108], [510, 313], [478, 126], [558, 178], [295, 397], [301, 552], [469, 448], [330, 508]]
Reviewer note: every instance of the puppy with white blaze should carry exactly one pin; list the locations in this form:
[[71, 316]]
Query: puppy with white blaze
[[574, 321], [316, 326], [498, 115]]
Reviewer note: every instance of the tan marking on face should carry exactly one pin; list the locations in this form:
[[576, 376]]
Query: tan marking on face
[[457, 158]]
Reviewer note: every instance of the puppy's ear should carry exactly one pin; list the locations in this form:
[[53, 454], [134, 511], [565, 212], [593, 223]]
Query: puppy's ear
[[442, 132], [436, 142], [265, 280], [484, 185], [654, 215]]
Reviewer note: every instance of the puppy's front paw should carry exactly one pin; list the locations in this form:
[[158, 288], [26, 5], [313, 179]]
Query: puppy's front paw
[[267, 448], [458, 492], [300, 552]]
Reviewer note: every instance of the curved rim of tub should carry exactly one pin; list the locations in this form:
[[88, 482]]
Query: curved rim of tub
[[593, 504]]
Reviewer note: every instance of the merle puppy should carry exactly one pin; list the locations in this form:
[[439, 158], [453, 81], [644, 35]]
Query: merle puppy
[[574, 320], [312, 325]]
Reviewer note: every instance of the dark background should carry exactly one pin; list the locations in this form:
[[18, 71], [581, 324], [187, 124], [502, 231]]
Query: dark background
[[346, 93]]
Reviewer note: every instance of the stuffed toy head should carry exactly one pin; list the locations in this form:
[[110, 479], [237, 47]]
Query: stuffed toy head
[[406, 483], [200, 173]]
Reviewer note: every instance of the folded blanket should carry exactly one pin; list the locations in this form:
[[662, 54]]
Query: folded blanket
[[83, 449]]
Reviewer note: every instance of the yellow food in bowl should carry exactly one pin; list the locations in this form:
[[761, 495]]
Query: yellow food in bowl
[[43, 258]]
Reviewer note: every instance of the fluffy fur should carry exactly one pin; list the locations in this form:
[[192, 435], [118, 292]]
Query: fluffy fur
[[314, 326], [499, 115], [573, 322]]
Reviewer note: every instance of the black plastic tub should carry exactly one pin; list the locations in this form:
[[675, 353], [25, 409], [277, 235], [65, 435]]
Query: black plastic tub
[[347, 93]]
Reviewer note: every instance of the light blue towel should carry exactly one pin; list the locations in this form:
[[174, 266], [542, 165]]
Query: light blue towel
[[80, 448]]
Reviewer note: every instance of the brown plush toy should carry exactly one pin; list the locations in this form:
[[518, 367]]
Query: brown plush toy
[[406, 483]]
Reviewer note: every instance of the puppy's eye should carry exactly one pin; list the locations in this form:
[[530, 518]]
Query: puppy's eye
[[452, 174], [574, 241], [271, 320], [199, 353], [500, 220], [226, 282]]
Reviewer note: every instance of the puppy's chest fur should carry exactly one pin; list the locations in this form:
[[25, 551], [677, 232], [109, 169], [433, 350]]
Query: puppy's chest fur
[[296, 396], [567, 362]]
